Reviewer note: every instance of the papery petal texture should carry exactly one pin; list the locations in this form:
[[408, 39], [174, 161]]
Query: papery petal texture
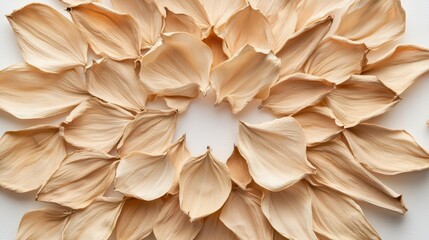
[[179, 155], [219, 11], [192, 8], [181, 23], [42, 224], [76, 2], [213, 229], [238, 169], [311, 11]]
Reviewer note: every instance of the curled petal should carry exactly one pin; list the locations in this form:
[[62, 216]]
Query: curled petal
[[214, 229], [386, 151], [179, 103], [239, 169], [181, 23], [192, 8], [179, 154], [311, 11], [215, 44], [43, 224]]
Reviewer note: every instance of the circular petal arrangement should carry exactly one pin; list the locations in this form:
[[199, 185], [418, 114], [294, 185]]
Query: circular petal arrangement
[[296, 177]]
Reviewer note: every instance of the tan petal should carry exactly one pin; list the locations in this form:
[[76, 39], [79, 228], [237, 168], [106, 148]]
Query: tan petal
[[386, 18], [400, 67], [151, 132], [76, 2], [172, 223], [238, 169], [179, 154], [336, 60], [117, 83], [272, 149], [204, 185], [295, 92], [137, 219], [360, 98], [215, 44], [214, 229], [96, 125], [96, 222], [278, 236], [344, 221], [108, 32], [45, 224], [338, 169], [219, 11], [311, 11], [29, 157], [43, 41], [192, 8], [243, 215], [386, 151], [301, 45], [51, 94], [289, 211], [239, 80], [181, 23], [179, 103], [83, 176]]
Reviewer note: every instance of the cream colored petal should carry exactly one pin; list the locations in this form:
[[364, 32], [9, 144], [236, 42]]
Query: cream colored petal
[[117, 83], [239, 80], [96, 125], [170, 68], [239, 169], [151, 132], [296, 92], [179, 154], [301, 45], [192, 8], [344, 221], [137, 219], [51, 94], [109, 33], [311, 11], [172, 223], [215, 44], [336, 60], [76, 2], [400, 67], [29, 157], [96, 222], [385, 22], [289, 211], [44, 43], [47, 224], [181, 23], [338, 169], [214, 229], [243, 215], [319, 124], [179, 103], [360, 98], [272, 149], [219, 11], [386, 151], [83, 176]]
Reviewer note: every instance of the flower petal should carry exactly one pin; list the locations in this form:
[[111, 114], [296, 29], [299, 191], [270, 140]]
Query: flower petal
[[96, 125], [239, 80], [192, 8], [29, 157], [386, 22], [181, 23], [108, 32], [219, 11], [311, 11], [238, 169], [386, 151], [83, 176], [43, 224], [179, 103], [272, 149], [76, 2], [43, 41], [214, 229], [215, 43], [179, 154]]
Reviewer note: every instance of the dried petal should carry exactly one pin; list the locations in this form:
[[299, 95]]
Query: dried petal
[[178, 103], [179, 154], [219, 11], [192, 8], [238, 169], [215, 43], [311, 11], [45, 224], [214, 229], [76, 2], [181, 23]]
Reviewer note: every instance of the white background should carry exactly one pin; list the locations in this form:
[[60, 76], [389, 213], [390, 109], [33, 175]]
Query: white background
[[215, 126]]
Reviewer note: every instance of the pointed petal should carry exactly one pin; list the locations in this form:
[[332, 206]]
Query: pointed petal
[[400, 67], [219, 11], [272, 149], [43, 41], [181, 23], [96, 125], [29, 157], [83, 176], [215, 44], [192, 8], [108, 32], [386, 22], [179, 154], [386, 151], [42, 224], [360, 98], [311, 11], [238, 169], [239, 80], [179, 103], [214, 229]]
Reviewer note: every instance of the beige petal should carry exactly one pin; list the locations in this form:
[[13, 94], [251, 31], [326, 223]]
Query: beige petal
[[172, 70], [311, 11], [272, 149], [239, 80], [29, 157], [214, 229], [338, 169], [51, 94], [83, 176], [192, 8], [336, 60], [295, 92], [137, 219], [96, 125], [386, 151], [301, 45], [289, 211], [243, 215], [76, 2], [47, 224], [109, 33], [215, 44], [219, 11], [278, 236], [385, 22], [179, 103], [151, 132], [179, 154], [44, 43], [239, 169], [117, 83], [360, 98], [96, 222], [204, 184], [344, 221], [172, 223], [181, 23], [400, 67]]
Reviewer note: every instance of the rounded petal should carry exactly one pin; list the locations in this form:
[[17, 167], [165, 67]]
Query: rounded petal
[[43, 224]]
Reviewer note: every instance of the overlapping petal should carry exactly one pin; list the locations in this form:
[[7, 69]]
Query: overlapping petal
[[311, 11], [212, 224], [179, 154], [238, 169], [43, 224], [181, 23]]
